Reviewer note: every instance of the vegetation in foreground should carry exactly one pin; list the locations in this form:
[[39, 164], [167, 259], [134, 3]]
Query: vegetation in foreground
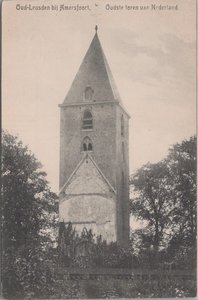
[[164, 197]]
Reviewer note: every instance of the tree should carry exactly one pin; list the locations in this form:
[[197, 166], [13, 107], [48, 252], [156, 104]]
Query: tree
[[165, 198], [181, 162], [28, 215], [152, 202]]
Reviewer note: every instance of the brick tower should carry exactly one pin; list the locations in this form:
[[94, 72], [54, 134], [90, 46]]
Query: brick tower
[[94, 160]]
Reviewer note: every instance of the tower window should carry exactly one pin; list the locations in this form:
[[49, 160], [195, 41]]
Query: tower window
[[122, 125], [84, 147], [87, 122], [88, 95], [89, 147], [87, 144]]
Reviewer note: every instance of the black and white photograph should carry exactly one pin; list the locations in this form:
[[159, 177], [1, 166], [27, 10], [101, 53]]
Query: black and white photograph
[[99, 149]]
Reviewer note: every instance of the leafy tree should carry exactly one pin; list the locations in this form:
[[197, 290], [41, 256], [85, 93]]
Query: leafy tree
[[182, 167], [181, 162], [28, 216], [165, 198], [152, 203]]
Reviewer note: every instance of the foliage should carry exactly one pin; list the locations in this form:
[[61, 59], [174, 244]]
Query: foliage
[[152, 203], [109, 287], [182, 167], [165, 198], [108, 256], [28, 218], [94, 252], [34, 267]]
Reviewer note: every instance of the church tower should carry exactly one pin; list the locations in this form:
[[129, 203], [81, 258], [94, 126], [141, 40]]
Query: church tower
[[94, 152]]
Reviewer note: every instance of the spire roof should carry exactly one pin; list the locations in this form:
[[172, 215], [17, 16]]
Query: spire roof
[[93, 73]]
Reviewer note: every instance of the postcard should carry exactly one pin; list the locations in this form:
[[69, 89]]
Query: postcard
[[99, 149]]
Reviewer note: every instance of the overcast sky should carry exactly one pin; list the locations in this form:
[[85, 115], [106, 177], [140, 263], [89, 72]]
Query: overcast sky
[[152, 55]]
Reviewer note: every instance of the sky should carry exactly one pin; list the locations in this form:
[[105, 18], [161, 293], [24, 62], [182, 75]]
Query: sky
[[151, 53]]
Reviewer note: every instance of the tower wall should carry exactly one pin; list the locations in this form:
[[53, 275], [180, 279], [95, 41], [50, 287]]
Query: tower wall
[[94, 89], [103, 136], [95, 212], [122, 177], [108, 152]]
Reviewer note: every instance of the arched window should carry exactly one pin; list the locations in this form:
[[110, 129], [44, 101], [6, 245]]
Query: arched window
[[87, 122], [88, 93], [89, 147], [87, 144], [122, 125], [84, 147]]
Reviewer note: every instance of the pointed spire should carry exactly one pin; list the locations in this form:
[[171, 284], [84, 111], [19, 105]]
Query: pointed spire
[[94, 73]]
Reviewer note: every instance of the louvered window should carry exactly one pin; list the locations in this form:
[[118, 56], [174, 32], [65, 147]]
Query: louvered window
[[87, 122]]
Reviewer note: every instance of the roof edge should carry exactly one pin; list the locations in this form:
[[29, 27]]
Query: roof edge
[[95, 103], [78, 166]]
